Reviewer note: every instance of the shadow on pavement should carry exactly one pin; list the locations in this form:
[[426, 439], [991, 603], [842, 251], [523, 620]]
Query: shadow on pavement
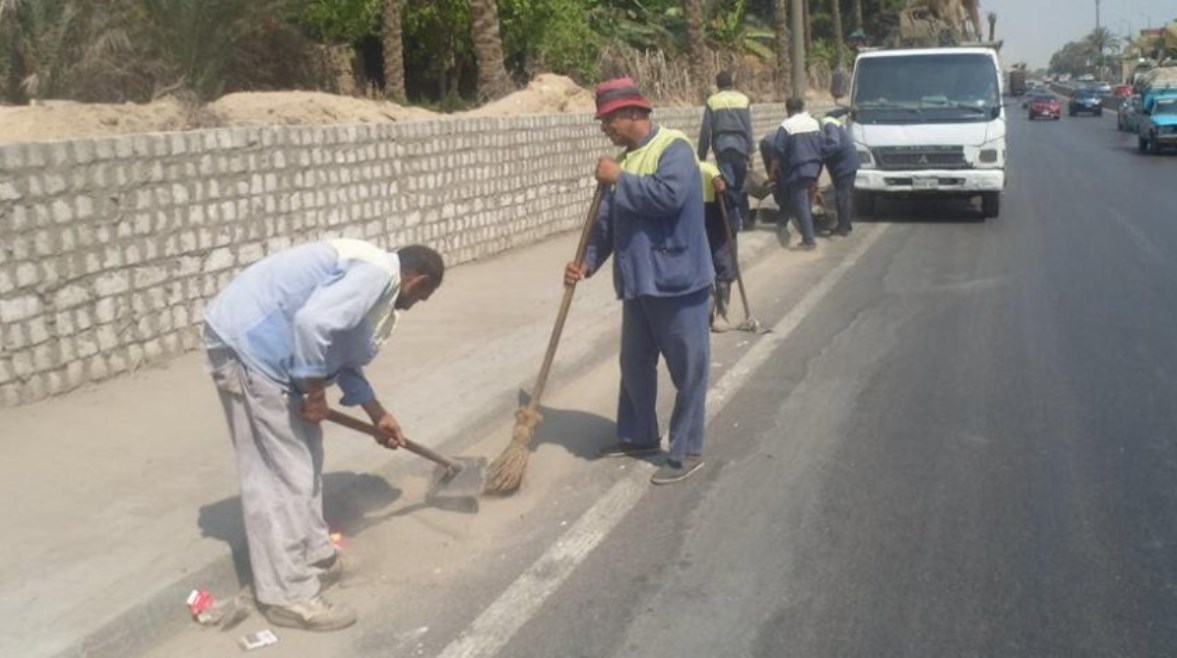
[[347, 499], [924, 211]]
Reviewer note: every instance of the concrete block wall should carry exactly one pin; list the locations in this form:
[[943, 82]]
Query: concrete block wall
[[109, 248]]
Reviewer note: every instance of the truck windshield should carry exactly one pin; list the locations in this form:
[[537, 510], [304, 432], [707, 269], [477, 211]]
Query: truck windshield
[[927, 88], [1166, 106]]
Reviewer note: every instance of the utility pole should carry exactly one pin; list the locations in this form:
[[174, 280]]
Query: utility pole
[[1099, 36], [800, 79]]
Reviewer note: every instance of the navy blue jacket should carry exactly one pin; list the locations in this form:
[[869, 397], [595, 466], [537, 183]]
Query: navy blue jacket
[[838, 151], [653, 226], [798, 148]]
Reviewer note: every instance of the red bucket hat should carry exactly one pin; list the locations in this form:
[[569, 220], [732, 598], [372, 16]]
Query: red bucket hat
[[612, 95]]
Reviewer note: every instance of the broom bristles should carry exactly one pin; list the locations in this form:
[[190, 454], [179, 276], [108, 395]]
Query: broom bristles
[[505, 474]]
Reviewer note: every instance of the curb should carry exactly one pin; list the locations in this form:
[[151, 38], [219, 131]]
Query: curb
[[143, 623]]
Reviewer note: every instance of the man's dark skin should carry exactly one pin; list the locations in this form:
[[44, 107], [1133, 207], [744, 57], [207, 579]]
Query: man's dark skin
[[415, 288]]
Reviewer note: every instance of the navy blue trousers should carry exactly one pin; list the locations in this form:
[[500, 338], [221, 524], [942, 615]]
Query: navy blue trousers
[[734, 167], [678, 329], [802, 211], [844, 197]]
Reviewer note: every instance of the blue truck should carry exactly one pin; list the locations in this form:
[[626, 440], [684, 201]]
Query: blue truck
[[1157, 123]]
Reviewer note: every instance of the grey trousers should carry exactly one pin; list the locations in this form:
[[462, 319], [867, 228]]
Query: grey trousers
[[280, 465]]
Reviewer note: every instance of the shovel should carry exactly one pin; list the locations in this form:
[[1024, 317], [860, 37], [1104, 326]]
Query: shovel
[[750, 323], [455, 478]]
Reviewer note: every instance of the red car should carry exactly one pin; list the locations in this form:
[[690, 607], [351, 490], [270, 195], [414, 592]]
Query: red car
[[1045, 106], [1122, 91]]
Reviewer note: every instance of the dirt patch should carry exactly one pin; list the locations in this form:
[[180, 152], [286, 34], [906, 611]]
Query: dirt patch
[[308, 108], [546, 94], [64, 119], [49, 120]]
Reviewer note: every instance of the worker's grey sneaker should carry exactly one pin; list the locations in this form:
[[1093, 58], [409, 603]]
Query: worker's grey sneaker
[[330, 571], [317, 614], [673, 471], [627, 449]]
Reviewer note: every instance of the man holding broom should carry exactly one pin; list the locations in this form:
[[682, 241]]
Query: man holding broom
[[651, 222], [280, 333]]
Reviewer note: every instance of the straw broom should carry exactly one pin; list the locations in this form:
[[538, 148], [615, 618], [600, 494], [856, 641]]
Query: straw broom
[[506, 473]]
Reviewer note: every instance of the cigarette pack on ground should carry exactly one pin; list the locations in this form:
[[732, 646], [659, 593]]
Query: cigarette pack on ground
[[203, 607], [263, 638]]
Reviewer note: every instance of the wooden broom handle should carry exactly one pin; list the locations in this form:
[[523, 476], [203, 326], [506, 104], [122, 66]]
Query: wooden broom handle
[[340, 418], [586, 231]]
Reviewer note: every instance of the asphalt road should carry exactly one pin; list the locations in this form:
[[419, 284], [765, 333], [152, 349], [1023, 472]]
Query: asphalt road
[[966, 448]]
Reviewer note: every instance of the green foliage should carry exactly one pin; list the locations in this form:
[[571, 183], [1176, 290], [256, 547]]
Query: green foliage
[[550, 35], [439, 49], [342, 21]]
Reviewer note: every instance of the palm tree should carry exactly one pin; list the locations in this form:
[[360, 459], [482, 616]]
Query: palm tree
[[488, 50], [392, 41], [839, 43], [780, 16], [696, 45], [805, 17]]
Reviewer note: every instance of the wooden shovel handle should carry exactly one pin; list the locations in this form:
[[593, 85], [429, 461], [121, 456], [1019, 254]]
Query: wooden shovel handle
[[586, 231], [340, 418]]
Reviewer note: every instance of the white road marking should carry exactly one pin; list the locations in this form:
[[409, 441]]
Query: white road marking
[[499, 622]]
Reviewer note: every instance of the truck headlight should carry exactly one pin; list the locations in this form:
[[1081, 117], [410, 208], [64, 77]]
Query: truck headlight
[[987, 155], [865, 161]]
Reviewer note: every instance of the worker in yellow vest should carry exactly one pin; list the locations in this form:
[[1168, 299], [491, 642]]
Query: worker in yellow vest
[[723, 252], [651, 222], [727, 130]]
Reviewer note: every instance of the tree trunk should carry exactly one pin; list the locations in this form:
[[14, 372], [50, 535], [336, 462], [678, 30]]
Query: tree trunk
[[807, 18], [696, 46], [780, 15], [799, 78], [839, 38], [392, 42], [488, 50], [858, 25]]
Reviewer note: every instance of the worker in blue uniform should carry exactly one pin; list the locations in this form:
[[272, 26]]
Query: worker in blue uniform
[[797, 162], [651, 222]]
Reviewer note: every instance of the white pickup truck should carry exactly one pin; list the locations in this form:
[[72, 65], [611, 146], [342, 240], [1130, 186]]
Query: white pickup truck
[[929, 122]]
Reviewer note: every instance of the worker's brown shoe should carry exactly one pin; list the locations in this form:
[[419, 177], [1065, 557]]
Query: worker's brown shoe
[[627, 449], [317, 614]]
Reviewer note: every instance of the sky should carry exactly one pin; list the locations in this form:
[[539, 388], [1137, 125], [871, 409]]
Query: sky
[[1033, 30]]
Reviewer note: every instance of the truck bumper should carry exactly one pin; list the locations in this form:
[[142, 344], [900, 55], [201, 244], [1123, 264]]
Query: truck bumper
[[932, 182]]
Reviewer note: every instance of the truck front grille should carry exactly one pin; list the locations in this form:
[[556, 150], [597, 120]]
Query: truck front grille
[[920, 157]]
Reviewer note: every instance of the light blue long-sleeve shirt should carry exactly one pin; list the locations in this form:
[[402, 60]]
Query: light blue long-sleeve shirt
[[308, 312]]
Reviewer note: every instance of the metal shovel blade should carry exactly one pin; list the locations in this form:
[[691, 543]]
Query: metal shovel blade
[[458, 488]]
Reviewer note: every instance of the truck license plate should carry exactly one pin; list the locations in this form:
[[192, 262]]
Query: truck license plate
[[924, 183]]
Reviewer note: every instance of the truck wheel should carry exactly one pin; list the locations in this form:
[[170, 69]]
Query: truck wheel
[[864, 203], [991, 204]]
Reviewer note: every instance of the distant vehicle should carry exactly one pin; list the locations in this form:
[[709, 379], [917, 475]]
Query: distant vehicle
[[1035, 94], [1045, 105], [1128, 114], [1158, 123], [1017, 82], [1122, 91], [1086, 77], [1102, 88], [1085, 100]]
